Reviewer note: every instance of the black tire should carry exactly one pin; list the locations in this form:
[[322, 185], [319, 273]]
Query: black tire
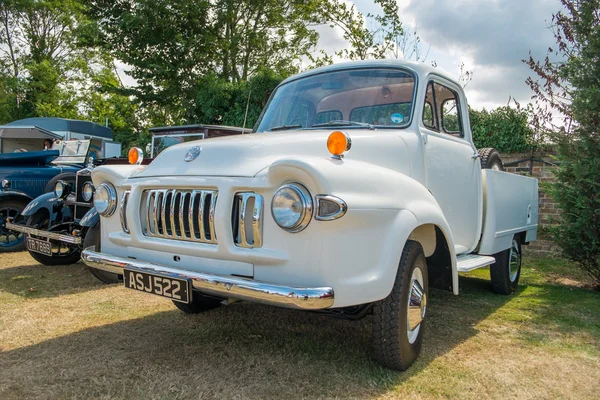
[[14, 207], [68, 177], [40, 220], [391, 343], [506, 271], [490, 159], [199, 303], [92, 238]]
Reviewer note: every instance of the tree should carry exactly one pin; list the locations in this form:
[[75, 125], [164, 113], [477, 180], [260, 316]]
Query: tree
[[40, 59], [172, 46], [568, 80]]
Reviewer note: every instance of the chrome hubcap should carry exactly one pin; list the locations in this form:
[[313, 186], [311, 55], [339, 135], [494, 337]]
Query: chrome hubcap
[[417, 305], [514, 261]]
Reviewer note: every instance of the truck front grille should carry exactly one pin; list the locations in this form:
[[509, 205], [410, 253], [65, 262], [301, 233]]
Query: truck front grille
[[179, 214]]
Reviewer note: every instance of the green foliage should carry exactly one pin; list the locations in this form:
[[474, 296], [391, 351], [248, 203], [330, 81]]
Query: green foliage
[[504, 128], [573, 87], [223, 102]]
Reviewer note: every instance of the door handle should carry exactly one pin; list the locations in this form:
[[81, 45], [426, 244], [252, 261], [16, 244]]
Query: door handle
[[476, 156]]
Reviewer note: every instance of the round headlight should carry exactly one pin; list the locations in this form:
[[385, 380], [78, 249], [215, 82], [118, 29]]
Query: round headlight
[[105, 199], [87, 192], [292, 207], [61, 189]]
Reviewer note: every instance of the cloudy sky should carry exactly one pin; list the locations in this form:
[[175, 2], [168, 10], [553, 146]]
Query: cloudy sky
[[491, 37]]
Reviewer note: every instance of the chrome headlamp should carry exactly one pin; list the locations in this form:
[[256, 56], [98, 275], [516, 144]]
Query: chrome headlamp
[[292, 207], [87, 192], [105, 199], [62, 189]]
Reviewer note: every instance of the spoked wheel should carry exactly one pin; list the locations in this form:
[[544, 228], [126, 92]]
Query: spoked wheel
[[506, 271], [11, 240], [62, 253], [398, 320]]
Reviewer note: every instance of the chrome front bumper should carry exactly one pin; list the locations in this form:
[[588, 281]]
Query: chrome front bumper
[[220, 285], [45, 234]]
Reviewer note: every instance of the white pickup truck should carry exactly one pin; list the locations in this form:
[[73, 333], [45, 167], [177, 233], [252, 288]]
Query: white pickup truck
[[358, 190]]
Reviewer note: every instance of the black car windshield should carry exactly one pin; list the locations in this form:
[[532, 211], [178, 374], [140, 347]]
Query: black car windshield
[[353, 98]]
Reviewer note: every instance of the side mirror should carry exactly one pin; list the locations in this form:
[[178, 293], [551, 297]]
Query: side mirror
[[149, 148]]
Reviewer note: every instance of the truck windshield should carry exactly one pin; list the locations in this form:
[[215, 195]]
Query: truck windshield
[[161, 142], [353, 98]]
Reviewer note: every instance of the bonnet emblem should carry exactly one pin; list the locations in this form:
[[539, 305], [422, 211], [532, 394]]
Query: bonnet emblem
[[192, 153]]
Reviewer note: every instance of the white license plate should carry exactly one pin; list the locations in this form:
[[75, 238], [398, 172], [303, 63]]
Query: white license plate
[[39, 246], [160, 285]]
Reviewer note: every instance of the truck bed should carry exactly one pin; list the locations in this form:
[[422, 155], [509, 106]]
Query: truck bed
[[510, 206]]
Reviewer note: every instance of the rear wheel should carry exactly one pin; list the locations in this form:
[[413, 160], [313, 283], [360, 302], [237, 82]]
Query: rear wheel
[[398, 320], [199, 303], [506, 271], [92, 238], [11, 240]]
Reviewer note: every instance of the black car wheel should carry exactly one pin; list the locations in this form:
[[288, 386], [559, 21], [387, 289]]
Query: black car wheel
[[92, 238], [62, 253], [11, 240]]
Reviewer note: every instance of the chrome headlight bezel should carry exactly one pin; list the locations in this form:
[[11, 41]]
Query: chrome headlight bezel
[[303, 199], [105, 199], [62, 189], [87, 191]]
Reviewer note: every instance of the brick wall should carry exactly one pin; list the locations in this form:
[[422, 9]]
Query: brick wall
[[541, 168]]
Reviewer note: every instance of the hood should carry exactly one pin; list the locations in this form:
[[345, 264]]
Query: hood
[[246, 155]]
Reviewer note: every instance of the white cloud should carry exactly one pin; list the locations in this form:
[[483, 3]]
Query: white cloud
[[490, 36]]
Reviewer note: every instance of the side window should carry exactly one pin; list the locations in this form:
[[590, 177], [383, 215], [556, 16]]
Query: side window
[[448, 104], [450, 121], [429, 117]]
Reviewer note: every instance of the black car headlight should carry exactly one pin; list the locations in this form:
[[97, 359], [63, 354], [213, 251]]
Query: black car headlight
[[105, 199], [62, 189], [87, 191], [292, 207]]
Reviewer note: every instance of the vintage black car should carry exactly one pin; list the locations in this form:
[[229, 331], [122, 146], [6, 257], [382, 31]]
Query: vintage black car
[[25, 176], [59, 224]]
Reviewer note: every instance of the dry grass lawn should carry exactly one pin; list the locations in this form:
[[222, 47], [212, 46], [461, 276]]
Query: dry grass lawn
[[65, 335]]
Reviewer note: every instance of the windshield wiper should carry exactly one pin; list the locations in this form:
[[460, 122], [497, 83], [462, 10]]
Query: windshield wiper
[[339, 122], [285, 127]]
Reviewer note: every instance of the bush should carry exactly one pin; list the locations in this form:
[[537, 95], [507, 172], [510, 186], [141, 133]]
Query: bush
[[577, 193], [504, 128]]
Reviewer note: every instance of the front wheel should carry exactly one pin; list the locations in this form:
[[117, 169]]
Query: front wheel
[[62, 253], [506, 271], [92, 238], [398, 320], [199, 303]]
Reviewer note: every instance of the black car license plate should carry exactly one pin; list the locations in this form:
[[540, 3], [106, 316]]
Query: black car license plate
[[160, 285], [39, 246]]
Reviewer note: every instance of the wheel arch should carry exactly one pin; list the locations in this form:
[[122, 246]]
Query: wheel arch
[[436, 247]]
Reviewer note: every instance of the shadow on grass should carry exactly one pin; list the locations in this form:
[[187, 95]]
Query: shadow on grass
[[39, 281], [243, 350]]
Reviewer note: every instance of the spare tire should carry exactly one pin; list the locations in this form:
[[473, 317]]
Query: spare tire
[[68, 177], [490, 159]]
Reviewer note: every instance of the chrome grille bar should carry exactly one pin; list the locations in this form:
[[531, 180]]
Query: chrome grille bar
[[248, 209], [167, 211], [123, 211]]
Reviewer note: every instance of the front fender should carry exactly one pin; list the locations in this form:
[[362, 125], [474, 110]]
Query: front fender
[[47, 201], [365, 186], [90, 219]]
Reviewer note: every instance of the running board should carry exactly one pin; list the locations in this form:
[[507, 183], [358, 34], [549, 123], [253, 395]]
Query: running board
[[469, 262]]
